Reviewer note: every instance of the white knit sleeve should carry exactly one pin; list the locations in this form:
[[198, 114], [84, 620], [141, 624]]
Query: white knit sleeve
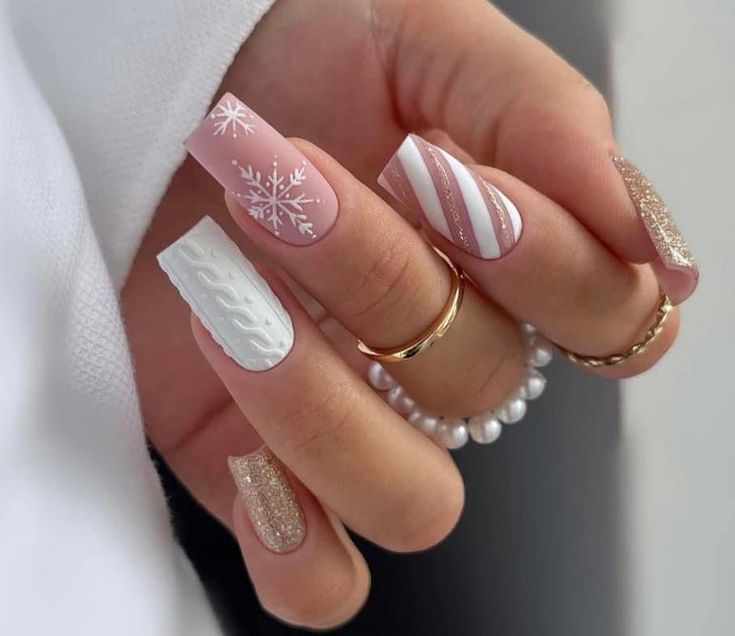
[[96, 98], [127, 80]]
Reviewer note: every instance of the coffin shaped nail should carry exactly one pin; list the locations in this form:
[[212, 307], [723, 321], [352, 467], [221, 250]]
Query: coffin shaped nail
[[275, 183], [680, 274], [269, 500], [459, 204], [229, 296]]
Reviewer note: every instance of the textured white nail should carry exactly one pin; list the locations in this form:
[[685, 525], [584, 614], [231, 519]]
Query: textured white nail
[[228, 295]]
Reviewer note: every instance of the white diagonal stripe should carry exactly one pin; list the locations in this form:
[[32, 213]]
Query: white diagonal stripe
[[229, 296], [482, 224], [423, 185]]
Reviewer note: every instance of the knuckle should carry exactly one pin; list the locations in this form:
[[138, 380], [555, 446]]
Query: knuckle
[[426, 521], [486, 381], [317, 424], [383, 283], [494, 383]]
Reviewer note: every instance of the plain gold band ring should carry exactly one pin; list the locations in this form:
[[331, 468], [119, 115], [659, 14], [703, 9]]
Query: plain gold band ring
[[434, 332]]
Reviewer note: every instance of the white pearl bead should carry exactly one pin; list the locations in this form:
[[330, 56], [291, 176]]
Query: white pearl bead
[[541, 351], [424, 422], [452, 434], [485, 428], [379, 378], [527, 330], [512, 411], [533, 385], [400, 402]]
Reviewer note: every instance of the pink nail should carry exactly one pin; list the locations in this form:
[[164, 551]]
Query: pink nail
[[467, 210], [272, 180]]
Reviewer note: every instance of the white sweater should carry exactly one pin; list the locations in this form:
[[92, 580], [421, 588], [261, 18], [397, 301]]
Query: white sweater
[[96, 97]]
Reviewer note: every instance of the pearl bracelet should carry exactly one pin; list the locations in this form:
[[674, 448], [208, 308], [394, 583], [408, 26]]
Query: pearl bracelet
[[485, 428]]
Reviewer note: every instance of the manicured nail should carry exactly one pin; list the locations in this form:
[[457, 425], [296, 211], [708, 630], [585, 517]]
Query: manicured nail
[[269, 500], [457, 203], [280, 189], [228, 295], [683, 274]]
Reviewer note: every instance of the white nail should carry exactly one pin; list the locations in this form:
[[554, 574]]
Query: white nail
[[228, 295]]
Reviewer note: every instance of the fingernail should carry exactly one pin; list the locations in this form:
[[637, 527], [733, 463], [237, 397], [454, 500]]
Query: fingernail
[[269, 500], [228, 295], [458, 203], [679, 275], [277, 185]]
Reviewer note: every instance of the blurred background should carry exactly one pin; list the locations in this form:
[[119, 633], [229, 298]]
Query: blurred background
[[674, 86], [611, 510]]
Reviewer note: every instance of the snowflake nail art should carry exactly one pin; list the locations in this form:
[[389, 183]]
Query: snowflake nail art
[[274, 183], [277, 198], [232, 114]]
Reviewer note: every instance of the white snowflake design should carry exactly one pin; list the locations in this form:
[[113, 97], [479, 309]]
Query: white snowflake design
[[232, 114], [276, 199]]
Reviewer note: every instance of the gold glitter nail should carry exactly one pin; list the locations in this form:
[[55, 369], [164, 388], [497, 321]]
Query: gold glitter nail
[[269, 499], [666, 237]]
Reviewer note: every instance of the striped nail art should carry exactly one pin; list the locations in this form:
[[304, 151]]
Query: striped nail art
[[457, 203]]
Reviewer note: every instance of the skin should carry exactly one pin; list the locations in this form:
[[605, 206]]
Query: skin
[[454, 68]]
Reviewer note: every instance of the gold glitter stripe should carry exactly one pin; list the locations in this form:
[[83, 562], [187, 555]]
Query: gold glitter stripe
[[448, 194], [506, 237]]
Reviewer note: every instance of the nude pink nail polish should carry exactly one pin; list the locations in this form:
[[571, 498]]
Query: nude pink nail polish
[[277, 185]]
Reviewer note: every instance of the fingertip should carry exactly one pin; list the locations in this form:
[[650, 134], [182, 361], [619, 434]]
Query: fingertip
[[678, 282], [320, 584], [424, 523]]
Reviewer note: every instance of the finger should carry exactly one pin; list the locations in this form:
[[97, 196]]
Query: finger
[[379, 475], [527, 252], [513, 103], [363, 263], [304, 567]]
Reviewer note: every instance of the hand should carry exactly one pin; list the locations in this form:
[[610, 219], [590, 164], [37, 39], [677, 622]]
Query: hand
[[354, 77]]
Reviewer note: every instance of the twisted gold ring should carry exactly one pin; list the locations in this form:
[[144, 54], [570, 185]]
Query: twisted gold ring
[[664, 308], [434, 332]]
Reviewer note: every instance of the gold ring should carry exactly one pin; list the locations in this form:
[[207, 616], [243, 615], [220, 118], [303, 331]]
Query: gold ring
[[434, 332], [663, 310]]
